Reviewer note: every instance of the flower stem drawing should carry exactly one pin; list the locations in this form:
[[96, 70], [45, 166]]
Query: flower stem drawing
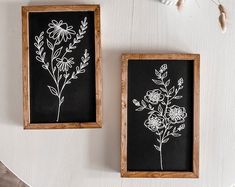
[[61, 68], [165, 119]]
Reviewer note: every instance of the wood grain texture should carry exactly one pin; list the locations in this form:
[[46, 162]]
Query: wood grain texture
[[25, 67], [54, 8], [123, 137], [26, 74], [196, 117], [196, 112]]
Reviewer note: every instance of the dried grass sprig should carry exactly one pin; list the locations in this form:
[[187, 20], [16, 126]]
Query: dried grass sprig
[[222, 18], [180, 4], [223, 15]]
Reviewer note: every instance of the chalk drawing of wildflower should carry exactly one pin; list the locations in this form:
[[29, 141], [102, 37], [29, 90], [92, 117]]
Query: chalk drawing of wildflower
[[59, 67], [60, 31], [164, 119]]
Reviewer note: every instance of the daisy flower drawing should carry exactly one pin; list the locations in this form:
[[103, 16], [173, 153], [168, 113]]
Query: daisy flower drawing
[[62, 66], [164, 119], [60, 31]]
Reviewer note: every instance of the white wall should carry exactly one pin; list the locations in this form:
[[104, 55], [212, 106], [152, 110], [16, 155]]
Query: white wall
[[90, 158]]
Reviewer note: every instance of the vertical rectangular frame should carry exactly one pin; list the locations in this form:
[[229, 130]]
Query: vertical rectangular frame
[[196, 116], [25, 67]]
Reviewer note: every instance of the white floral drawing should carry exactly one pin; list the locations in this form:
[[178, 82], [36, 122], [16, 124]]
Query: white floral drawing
[[57, 62], [60, 31], [164, 119]]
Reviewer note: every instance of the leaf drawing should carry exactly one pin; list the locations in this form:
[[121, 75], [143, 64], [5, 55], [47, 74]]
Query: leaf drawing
[[57, 63], [164, 119]]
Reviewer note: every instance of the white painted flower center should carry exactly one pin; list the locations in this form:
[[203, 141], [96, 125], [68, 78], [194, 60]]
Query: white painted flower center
[[154, 96], [155, 122], [176, 113]]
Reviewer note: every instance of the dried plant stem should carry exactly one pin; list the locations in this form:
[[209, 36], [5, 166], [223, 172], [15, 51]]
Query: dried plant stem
[[222, 17], [180, 4]]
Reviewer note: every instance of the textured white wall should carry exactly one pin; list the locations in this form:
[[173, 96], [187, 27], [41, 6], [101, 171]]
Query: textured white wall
[[90, 158]]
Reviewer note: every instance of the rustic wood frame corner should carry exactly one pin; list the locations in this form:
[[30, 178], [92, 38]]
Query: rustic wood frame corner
[[25, 67], [196, 112]]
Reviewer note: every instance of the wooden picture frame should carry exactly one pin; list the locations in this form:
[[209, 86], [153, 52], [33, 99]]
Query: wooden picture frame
[[125, 172], [95, 10]]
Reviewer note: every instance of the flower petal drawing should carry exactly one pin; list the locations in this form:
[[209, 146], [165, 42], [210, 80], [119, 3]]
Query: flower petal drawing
[[176, 114], [60, 31], [136, 103], [163, 68], [64, 64], [153, 123], [180, 81], [154, 96]]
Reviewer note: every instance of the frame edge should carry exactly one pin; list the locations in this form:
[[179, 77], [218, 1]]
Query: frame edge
[[196, 90], [25, 67]]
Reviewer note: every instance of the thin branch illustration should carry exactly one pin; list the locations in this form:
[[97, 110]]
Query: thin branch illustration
[[60, 66], [164, 119]]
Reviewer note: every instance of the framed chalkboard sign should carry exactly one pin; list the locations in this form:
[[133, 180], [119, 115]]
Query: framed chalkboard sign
[[160, 115], [62, 85]]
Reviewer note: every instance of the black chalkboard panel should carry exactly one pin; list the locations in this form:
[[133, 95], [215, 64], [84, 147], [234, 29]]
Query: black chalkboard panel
[[62, 65], [160, 115]]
